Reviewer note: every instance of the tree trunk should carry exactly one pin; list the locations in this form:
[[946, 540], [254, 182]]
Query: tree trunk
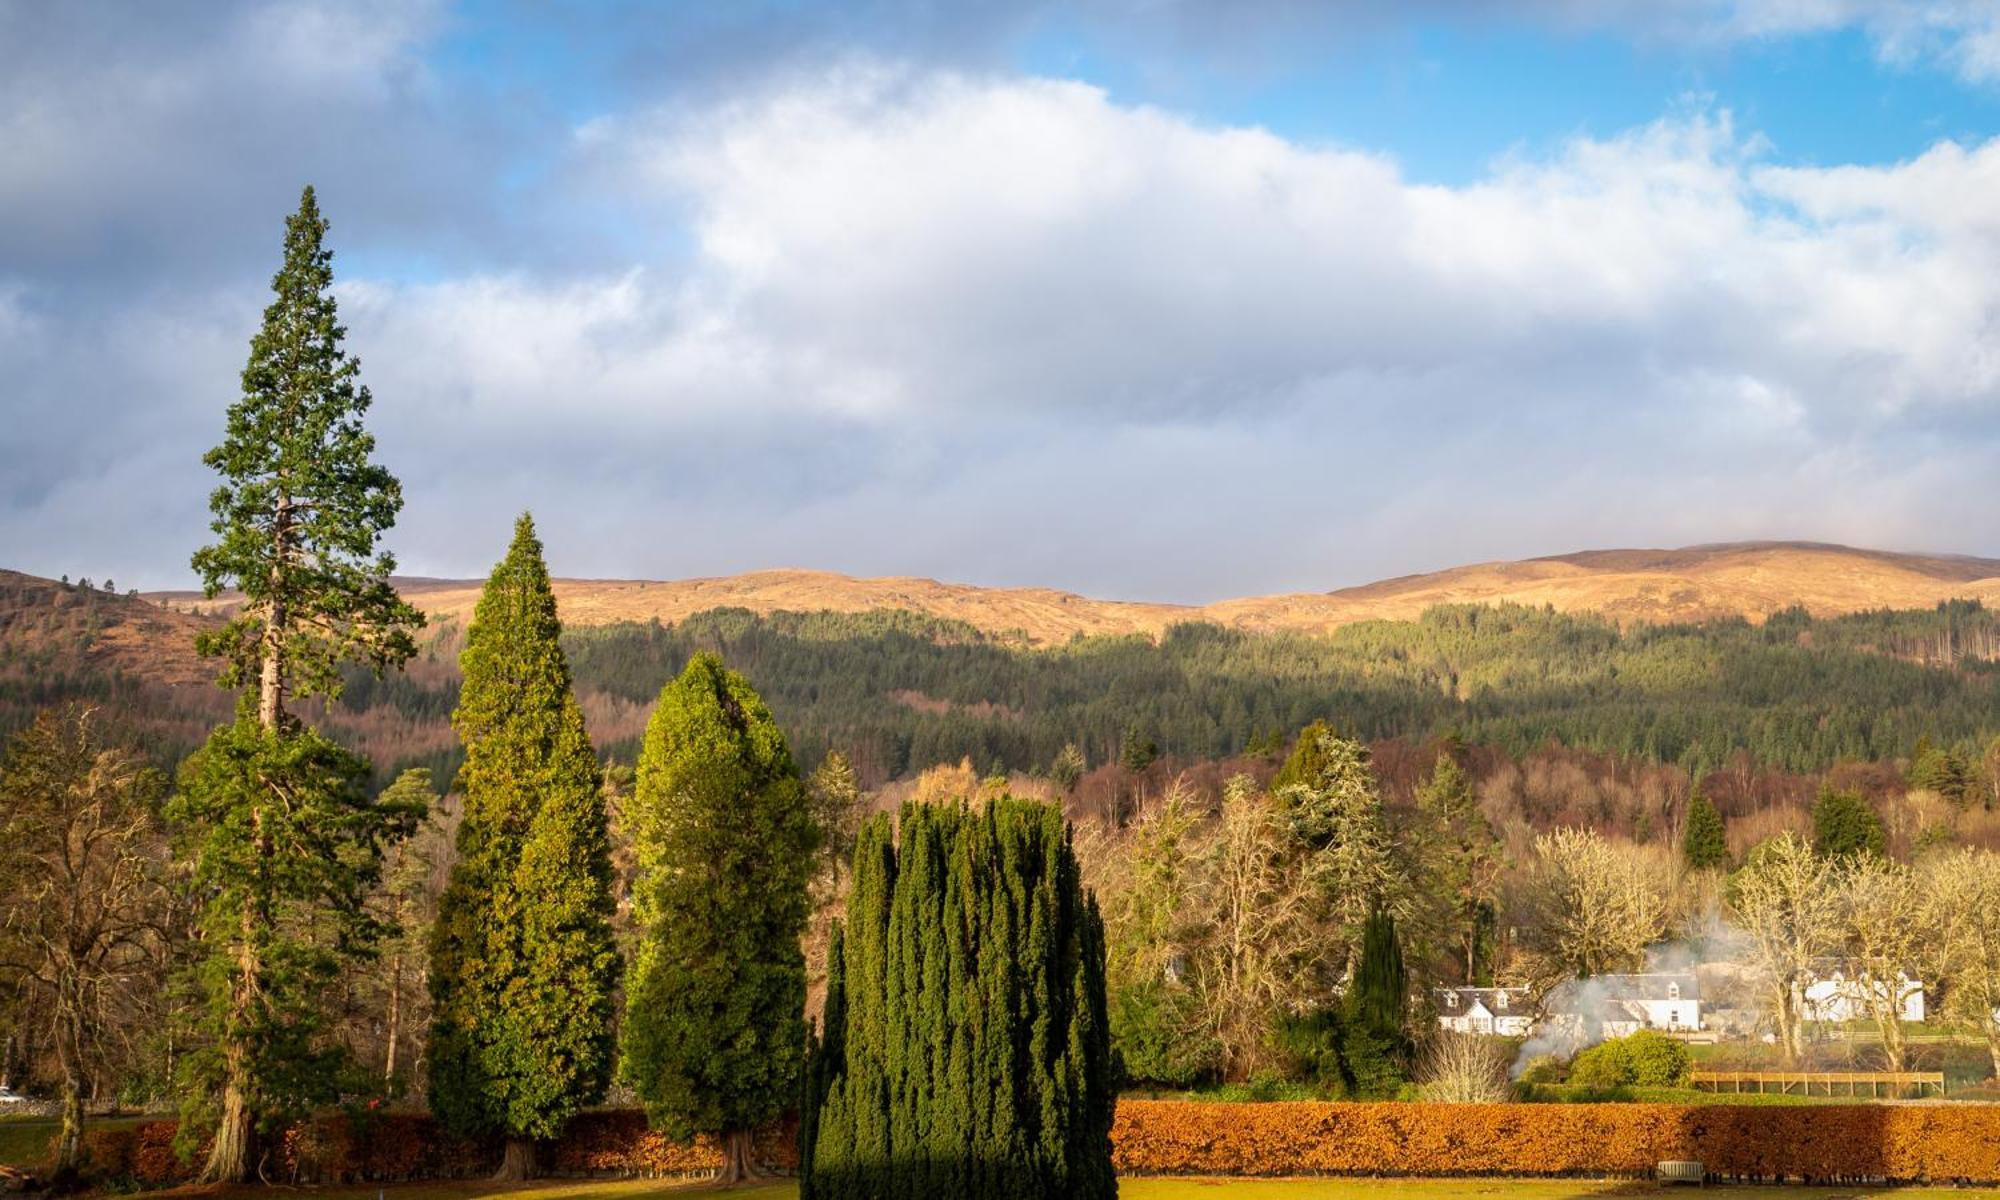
[[229, 1154], [739, 1163], [271, 679], [69, 1142], [395, 1022], [518, 1163]]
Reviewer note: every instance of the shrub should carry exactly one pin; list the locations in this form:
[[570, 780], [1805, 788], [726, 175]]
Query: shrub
[[1307, 1049], [1544, 1068], [1159, 1037], [1459, 1068], [1642, 1059]]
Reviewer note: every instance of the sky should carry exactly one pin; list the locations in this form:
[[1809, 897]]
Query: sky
[[1149, 299]]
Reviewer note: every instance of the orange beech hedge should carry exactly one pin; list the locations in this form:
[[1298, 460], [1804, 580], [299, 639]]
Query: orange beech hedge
[[1819, 1143], [1811, 1142]]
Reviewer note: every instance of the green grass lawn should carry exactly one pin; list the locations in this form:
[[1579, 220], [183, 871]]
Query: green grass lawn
[[1185, 1189]]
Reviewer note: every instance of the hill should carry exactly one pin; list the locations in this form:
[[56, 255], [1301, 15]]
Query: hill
[[1696, 583]]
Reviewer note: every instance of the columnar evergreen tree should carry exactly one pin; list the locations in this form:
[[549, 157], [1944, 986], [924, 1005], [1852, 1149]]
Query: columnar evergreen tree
[[298, 515], [1704, 843], [725, 833], [522, 960], [1376, 1000], [965, 1051]]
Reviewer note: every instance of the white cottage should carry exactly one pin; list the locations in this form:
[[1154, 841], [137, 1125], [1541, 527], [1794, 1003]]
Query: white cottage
[[1837, 993], [1617, 1005], [1507, 1012]]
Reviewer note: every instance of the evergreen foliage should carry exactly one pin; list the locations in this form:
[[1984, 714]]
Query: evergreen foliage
[[286, 844], [1458, 856], [1374, 1042], [725, 834], [523, 964], [301, 504], [1944, 771], [966, 1050], [1846, 826], [1334, 815], [1704, 842]]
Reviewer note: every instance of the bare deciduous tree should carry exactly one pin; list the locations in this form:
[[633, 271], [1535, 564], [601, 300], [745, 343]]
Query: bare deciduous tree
[[1785, 903], [1595, 904], [1884, 932], [80, 890], [1962, 893]]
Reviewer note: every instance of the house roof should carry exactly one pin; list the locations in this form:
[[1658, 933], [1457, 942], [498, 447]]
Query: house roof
[[1609, 989], [1507, 1002]]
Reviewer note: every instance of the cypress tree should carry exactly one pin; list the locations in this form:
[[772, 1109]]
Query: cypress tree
[[298, 515], [1704, 843], [1375, 1005], [966, 1049], [725, 834], [522, 961]]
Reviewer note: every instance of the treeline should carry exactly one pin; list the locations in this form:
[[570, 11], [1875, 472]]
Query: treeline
[[904, 691]]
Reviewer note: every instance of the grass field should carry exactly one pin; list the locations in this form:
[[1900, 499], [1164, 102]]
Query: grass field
[[1185, 1189]]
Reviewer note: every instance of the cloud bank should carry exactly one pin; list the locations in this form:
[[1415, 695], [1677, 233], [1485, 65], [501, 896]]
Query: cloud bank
[[884, 317]]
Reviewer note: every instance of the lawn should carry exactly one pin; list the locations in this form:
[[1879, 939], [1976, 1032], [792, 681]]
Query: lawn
[[1181, 1189]]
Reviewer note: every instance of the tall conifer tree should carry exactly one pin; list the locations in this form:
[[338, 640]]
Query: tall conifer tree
[[302, 502], [284, 839], [715, 1004], [522, 959], [966, 1051]]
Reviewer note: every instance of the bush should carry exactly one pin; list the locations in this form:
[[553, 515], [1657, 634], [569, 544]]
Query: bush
[[1544, 1068], [1307, 1049], [1159, 1037], [1462, 1068], [1642, 1059]]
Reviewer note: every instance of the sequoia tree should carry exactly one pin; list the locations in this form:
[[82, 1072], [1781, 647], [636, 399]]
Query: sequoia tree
[[965, 1050], [522, 960], [725, 833], [298, 515], [302, 503]]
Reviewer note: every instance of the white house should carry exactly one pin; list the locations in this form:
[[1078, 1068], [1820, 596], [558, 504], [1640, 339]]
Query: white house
[[1508, 1012], [1617, 1005], [1838, 993]]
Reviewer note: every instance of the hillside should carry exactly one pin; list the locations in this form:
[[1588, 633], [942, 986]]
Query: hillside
[[905, 678], [1747, 579]]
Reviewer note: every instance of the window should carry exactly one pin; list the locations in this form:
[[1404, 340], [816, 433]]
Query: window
[[1500, 1001], [1674, 990], [1451, 999]]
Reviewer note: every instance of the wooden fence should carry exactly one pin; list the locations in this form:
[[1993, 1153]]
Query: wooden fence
[[1877, 1084]]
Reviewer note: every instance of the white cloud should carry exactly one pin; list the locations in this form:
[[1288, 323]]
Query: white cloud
[[1010, 330]]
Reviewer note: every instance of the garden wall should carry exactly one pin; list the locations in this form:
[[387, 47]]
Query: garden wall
[[1820, 1143]]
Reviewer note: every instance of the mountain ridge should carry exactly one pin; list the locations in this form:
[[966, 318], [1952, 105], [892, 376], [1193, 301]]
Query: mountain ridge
[[1701, 582]]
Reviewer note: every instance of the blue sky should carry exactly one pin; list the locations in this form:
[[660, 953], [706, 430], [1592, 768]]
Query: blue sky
[[1148, 298]]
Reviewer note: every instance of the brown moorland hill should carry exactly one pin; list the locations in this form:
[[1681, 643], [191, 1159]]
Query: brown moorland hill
[[1747, 579], [45, 625]]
